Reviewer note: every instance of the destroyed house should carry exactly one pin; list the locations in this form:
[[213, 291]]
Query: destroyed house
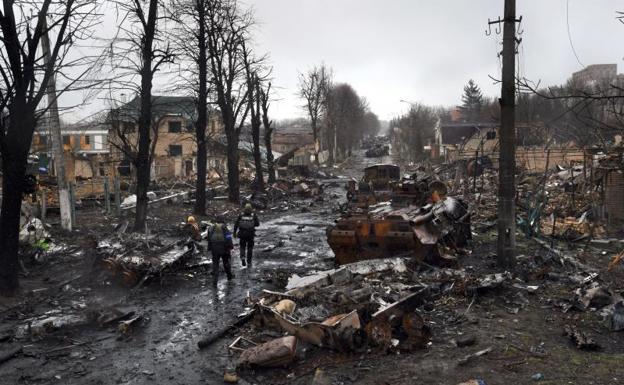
[[288, 141], [456, 134], [532, 154], [173, 126], [85, 146]]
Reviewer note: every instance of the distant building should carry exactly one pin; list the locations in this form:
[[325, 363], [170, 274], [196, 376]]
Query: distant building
[[455, 135], [176, 148], [285, 142], [596, 74], [85, 146]]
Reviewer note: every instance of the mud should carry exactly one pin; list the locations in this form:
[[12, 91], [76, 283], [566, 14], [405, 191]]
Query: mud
[[523, 332]]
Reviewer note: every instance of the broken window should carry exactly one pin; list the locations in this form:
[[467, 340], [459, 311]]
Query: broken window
[[175, 150], [66, 140], [175, 126], [87, 140]]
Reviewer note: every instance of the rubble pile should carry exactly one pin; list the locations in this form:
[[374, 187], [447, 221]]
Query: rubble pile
[[133, 259], [362, 306]]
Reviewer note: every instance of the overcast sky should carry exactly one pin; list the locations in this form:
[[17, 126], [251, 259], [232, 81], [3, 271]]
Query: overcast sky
[[426, 51]]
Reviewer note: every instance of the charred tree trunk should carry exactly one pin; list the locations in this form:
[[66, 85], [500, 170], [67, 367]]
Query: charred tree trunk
[[256, 121], [315, 138], [14, 160], [143, 160], [264, 95], [257, 156], [10, 222], [202, 114], [268, 136], [232, 165]]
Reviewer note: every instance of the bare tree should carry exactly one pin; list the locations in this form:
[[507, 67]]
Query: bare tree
[[253, 66], [314, 87], [192, 40], [142, 51], [24, 77], [228, 27], [265, 95]]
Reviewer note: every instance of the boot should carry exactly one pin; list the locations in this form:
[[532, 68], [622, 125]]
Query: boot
[[242, 257]]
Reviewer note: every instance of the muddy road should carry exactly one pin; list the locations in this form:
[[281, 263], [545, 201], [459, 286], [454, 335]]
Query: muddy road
[[178, 310]]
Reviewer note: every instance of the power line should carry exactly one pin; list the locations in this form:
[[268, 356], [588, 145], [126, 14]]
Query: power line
[[570, 35]]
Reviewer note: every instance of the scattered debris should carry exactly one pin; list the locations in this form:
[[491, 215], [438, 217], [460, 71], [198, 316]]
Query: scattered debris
[[473, 382], [579, 339], [275, 353], [472, 356]]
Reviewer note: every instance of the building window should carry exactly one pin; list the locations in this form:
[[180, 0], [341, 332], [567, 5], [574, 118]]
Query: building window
[[175, 126], [190, 127], [66, 140], [87, 140], [43, 140], [175, 150]]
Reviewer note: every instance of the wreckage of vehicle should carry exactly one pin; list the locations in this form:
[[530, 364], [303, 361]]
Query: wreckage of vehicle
[[383, 183], [385, 230], [311, 313]]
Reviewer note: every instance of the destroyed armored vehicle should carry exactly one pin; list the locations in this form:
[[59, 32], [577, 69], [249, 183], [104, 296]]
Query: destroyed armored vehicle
[[385, 231], [378, 151], [375, 186], [382, 183]]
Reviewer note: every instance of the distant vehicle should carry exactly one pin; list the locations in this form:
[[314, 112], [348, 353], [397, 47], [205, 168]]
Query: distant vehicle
[[378, 151], [379, 176]]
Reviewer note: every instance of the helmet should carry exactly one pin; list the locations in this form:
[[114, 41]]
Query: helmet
[[248, 209], [191, 219]]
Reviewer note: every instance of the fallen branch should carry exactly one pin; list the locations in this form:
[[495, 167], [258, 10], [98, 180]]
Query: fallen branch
[[204, 343]]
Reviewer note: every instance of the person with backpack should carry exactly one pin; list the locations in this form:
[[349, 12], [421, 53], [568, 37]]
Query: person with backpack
[[220, 244], [245, 230]]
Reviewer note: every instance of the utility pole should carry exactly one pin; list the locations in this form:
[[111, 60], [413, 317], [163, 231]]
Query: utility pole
[[57, 138], [507, 162]]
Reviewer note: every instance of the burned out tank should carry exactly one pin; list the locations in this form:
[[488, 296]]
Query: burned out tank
[[412, 230], [383, 183]]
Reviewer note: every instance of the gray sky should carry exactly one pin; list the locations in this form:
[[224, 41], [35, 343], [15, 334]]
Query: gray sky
[[425, 51]]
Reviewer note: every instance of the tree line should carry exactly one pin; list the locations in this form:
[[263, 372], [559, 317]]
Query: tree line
[[585, 113], [339, 117]]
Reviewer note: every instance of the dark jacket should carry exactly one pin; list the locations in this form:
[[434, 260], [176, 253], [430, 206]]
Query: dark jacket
[[245, 226], [220, 239]]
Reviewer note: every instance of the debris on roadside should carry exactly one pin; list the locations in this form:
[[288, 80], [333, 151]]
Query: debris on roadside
[[275, 353], [580, 340]]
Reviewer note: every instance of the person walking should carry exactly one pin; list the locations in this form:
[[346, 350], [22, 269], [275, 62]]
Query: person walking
[[220, 244], [245, 230]]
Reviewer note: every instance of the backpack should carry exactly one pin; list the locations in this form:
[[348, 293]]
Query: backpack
[[247, 223], [217, 233], [218, 240]]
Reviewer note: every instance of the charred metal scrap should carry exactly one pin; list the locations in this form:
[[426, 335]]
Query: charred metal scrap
[[386, 231], [322, 321], [133, 260]]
